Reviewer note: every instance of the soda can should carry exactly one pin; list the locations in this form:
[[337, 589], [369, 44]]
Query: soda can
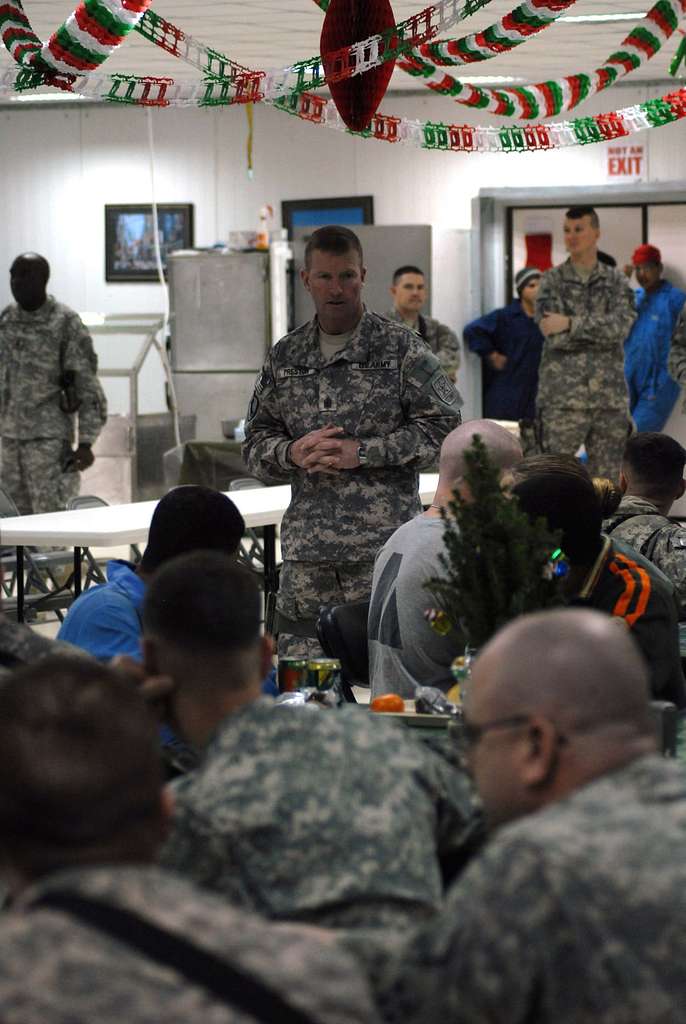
[[293, 674], [324, 674]]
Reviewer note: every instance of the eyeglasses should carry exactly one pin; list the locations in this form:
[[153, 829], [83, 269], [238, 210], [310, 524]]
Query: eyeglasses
[[471, 732]]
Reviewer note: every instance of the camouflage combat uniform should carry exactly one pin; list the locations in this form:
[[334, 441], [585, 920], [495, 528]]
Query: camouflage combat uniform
[[336, 818], [582, 394], [637, 522], [572, 915], [35, 350], [21, 645], [54, 969], [441, 340], [386, 389], [677, 353]]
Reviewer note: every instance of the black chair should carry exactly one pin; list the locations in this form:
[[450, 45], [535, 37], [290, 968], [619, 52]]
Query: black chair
[[342, 633]]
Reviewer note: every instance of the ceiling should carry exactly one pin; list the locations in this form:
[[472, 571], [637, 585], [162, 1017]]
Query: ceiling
[[271, 34]]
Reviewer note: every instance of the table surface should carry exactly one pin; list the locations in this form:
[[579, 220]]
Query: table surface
[[114, 525]]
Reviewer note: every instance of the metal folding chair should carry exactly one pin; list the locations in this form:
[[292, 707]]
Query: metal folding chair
[[251, 552], [94, 573], [42, 589]]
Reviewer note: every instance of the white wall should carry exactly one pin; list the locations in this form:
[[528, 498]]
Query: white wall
[[60, 167]]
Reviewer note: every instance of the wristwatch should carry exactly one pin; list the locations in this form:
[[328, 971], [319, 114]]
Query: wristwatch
[[362, 454]]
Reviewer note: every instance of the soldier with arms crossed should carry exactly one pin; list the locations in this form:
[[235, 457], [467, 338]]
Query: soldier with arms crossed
[[585, 310]]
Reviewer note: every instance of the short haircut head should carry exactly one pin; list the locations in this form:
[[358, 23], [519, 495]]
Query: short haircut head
[[204, 604], [577, 212], [654, 463], [408, 269], [333, 239], [34, 262], [190, 518], [578, 666], [503, 448], [80, 768], [558, 488]]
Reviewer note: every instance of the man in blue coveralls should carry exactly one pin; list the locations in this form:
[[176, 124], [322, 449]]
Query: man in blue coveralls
[[509, 342], [652, 392]]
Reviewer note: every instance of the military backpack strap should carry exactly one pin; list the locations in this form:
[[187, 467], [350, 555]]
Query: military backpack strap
[[648, 546], [228, 984]]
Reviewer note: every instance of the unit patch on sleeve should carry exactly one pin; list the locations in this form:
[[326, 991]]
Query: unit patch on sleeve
[[444, 389]]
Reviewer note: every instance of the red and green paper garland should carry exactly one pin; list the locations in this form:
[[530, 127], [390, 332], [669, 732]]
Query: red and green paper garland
[[86, 39], [546, 99], [511, 31], [241, 85]]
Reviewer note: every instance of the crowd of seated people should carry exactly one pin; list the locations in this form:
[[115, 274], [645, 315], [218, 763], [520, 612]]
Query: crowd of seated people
[[328, 865]]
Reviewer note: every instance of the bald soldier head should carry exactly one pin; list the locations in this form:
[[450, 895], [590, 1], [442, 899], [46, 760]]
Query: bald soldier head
[[503, 449], [557, 699]]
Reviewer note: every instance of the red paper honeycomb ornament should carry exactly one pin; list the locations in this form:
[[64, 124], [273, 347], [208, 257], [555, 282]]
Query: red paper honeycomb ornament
[[347, 22]]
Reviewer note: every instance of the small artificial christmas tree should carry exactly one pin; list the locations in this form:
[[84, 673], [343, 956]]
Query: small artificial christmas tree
[[497, 564]]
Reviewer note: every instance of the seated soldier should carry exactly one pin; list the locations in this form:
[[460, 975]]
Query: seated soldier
[[96, 934], [652, 479], [403, 648], [574, 912], [604, 573], [333, 817], [106, 620]]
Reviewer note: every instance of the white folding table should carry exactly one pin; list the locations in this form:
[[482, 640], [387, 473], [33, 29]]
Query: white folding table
[[115, 525]]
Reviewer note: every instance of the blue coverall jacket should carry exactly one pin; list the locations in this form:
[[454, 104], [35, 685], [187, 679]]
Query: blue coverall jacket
[[652, 392]]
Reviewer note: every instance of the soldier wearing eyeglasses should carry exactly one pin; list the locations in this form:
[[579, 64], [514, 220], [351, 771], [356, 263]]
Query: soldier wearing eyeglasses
[[574, 911]]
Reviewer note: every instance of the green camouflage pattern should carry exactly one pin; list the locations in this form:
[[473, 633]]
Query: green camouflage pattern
[[55, 970], [305, 586], [635, 522], [384, 388], [584, 367], [30, 347], [441, 340], [21, 645], [582, 395], [677, 353], [32, 474], [572, 915], [336, 818]]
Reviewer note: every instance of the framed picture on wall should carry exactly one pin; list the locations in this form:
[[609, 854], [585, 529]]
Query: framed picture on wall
[[314, 213], [130, 242]]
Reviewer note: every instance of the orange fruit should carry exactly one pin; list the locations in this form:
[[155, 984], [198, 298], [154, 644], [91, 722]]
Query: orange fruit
[[388, 702]]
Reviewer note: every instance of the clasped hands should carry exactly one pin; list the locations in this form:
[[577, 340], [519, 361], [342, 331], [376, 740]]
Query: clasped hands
[[322, 451]]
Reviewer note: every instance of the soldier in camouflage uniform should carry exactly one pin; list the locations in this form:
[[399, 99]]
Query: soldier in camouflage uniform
[[21, 645], [49, 371], [585, 310], [652, 478], [81, 822], [409, 295], [677, 353], [574, 913], [336, 818], [347, 409]]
